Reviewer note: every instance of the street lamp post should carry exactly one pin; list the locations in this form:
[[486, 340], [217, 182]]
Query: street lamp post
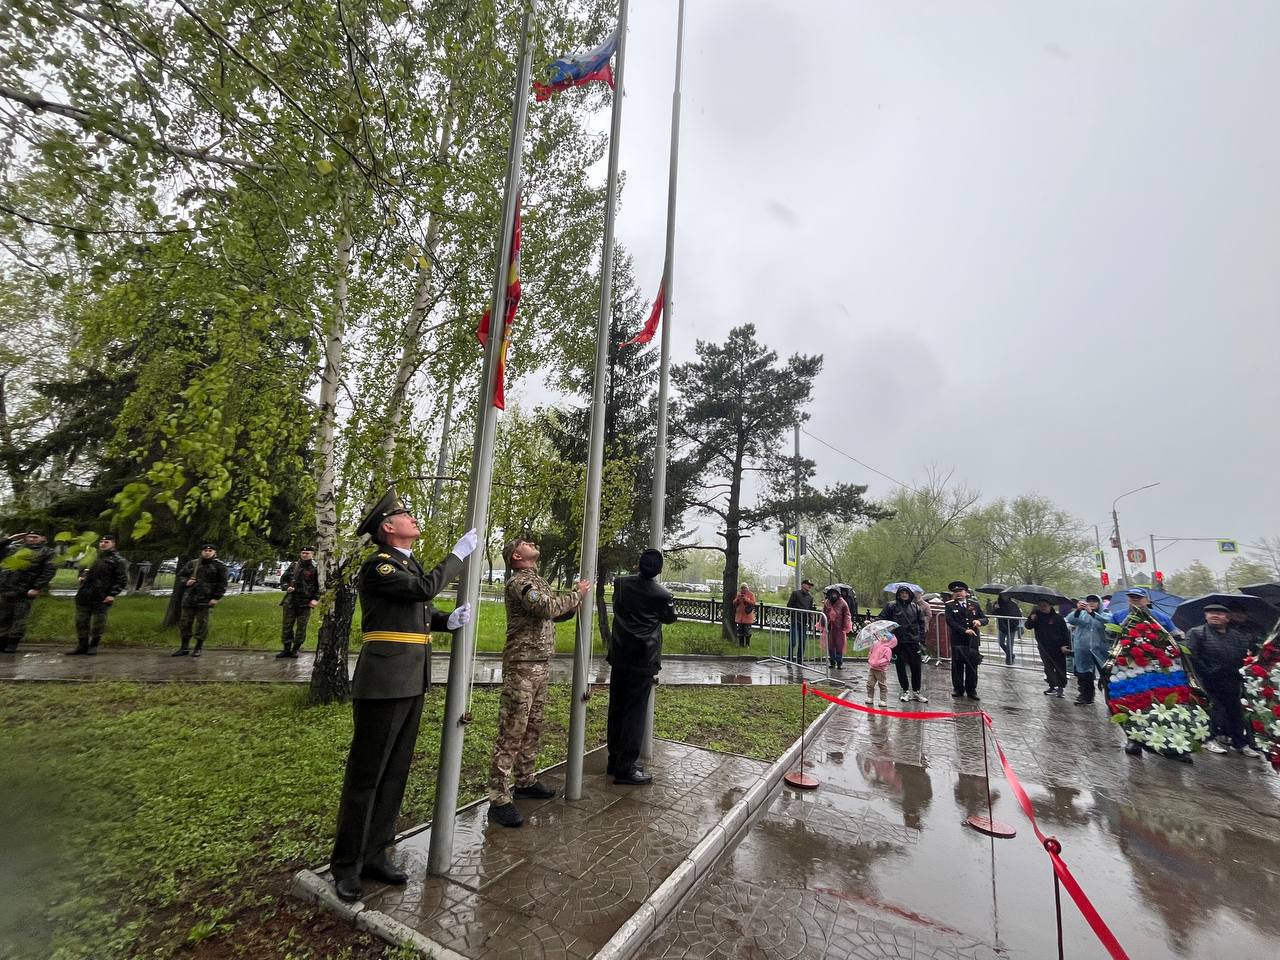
[[1115, 520]]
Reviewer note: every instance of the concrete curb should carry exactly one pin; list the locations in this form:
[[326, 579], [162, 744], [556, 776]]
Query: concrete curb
[[671, 893]]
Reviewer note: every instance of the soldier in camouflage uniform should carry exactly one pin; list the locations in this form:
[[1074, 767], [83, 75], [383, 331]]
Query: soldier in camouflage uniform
[[100, 584], [532, 609], [206, 584], [26, 569]]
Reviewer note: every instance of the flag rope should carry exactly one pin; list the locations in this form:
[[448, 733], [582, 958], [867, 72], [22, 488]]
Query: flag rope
[[1062, 874]]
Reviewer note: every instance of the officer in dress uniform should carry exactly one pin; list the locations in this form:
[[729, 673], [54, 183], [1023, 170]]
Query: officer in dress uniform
[[532, 609], [964, 617], [26, 569], [301, 586], [392, 674]]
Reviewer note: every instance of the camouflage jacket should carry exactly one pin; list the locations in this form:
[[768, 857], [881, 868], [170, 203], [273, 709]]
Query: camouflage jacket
[[532, 609]]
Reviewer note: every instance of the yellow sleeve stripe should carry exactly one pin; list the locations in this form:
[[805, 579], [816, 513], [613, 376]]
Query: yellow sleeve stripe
[[390, 636]]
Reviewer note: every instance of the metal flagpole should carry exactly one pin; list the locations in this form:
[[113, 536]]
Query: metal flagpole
[[657, 509], [453, 729], [595, 457]]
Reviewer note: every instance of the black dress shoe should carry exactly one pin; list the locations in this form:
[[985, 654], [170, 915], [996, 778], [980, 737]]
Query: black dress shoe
[[348, 888], [381, 868], [973, 696], [634, 777], [1133, 748], [505, 815], [534, 791]]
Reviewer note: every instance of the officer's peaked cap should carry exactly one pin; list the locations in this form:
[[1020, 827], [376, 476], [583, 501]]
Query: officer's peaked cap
[[955, 585], [389, 503]]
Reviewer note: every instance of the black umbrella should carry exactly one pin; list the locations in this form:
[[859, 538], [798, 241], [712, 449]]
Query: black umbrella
[[1190, 613], [1269, 592], [1034, 593], [992, 588]]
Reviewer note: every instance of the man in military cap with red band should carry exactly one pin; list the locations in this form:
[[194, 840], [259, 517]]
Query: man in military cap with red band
[[392, 674]]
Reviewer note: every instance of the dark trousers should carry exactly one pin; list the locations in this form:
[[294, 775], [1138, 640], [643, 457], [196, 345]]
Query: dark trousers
[[795, 641], [294, 631], [194, 622], [1006, 631], [1226, 713], [13, 620], [377, 769], [1055, 664], [628, 705], [907, 656], [743, 630], [91, 623], [964, 676]]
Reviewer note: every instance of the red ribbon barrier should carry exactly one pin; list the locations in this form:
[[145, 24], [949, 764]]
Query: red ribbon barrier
[[1051, 845]]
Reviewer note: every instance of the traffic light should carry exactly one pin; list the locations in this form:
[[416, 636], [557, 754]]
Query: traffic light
[[1159, 578], [1106, 578]]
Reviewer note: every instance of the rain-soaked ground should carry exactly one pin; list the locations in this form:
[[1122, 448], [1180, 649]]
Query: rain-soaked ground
[[1182, 860]]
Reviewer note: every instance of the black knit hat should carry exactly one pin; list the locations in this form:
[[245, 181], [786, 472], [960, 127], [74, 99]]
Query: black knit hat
[[650, 563]]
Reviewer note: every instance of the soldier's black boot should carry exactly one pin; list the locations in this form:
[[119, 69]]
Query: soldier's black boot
[[505, 815], [283, 654], [182, 651], [293, 654], [81, 650], [534, 791], [196, 651]]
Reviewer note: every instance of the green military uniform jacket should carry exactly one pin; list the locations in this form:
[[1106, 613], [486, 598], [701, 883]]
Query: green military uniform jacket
[[396, 620], [532, 609], [210, 581]]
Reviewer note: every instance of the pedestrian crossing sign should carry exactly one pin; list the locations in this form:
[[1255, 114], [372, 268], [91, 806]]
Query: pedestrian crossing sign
[[1228, 546], [791, 552]]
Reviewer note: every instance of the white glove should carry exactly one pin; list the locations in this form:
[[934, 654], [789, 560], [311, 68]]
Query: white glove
[[459, 617], [467, 545]]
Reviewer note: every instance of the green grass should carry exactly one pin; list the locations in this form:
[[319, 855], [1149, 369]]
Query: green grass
[[252, 620], [158, 820]]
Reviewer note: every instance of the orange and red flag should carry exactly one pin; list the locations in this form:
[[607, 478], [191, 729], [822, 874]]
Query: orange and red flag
[[513, 301]]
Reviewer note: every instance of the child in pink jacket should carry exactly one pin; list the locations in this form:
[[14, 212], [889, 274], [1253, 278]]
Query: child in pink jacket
[[878, 660]]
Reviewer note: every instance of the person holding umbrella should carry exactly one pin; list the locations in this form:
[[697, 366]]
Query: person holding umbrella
[[1218, 648], [1054, 641], [905, 612], [965, 620], [1090, 645]]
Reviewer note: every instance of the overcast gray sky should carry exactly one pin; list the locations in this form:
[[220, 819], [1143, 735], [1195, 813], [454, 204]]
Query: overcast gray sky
[[1036, 242]]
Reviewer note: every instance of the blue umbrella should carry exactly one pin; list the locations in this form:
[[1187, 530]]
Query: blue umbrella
[[1166, 603], [895, 587]]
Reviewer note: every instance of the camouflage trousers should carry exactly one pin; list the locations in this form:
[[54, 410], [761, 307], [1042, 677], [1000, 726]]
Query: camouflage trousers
[[515, 754]]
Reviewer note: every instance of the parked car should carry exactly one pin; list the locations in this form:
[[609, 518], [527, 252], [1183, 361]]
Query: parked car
[[272, 572]]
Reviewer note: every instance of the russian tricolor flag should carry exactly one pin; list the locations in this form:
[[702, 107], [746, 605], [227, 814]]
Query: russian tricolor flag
[[578, 69]]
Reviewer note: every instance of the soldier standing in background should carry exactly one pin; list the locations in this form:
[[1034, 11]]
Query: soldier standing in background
[[25, 570], [205, 583], [392, 675], [100, 584], [532, 608], [301, 586], [641, 605]]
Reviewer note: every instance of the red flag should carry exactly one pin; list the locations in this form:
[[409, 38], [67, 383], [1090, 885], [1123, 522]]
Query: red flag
[[513, 301], [651, 325]]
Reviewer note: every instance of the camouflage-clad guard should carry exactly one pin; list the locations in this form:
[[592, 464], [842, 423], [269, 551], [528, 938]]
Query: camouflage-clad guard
[[100, 584], [532, 609], [301, 586], [26, 569], [206, 583]]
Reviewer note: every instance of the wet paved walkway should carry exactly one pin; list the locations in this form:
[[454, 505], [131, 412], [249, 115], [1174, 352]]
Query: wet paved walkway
[[1181, 860], [562, 885], [155, 665]]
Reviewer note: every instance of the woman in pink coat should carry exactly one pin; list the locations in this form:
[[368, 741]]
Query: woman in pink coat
[[839, 623]]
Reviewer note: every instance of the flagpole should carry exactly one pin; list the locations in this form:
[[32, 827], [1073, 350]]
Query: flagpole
[[595, 457], [453, 729], [658, 504]]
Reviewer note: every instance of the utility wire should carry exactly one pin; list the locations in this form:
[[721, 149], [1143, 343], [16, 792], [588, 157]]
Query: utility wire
[[905, 486]]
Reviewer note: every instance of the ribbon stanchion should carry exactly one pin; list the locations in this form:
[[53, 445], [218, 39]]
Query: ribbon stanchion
[[1062, 874]]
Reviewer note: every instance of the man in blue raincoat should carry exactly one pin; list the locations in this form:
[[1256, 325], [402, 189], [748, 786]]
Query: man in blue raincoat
[[1090, 645]]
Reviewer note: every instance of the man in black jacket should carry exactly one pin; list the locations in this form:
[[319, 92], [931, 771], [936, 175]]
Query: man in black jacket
[[964, 620], [801, 623], [100, 584], [641, 606], [301, 586], [392, 674], [1218, 649], [205, 583], [25, 569]]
